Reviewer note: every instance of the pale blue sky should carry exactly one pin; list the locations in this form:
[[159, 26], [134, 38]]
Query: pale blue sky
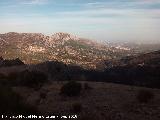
[[103, 20]]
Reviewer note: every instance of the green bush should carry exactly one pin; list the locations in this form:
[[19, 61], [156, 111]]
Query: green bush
[[71, 88], [12, 104], [144, 96]]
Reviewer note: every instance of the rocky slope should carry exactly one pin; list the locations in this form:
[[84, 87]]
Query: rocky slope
[[151, 59], [70, 49]]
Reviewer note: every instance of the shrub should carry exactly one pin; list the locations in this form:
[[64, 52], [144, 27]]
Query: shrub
[[31, 78], [43, 95], [2, 76], [3, 79], [76, 108], [87, 87], [12, 104], [144, 96], [71, 88], [12, 76]]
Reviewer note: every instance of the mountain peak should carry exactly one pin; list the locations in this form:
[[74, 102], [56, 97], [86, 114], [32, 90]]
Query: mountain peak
[[11, 33], [64, 36]]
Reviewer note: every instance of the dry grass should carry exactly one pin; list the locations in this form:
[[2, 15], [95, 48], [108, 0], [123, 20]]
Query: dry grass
[[104, 102], [145, 96]]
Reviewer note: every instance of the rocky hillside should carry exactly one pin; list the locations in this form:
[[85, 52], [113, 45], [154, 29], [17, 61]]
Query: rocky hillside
[[70, 49], [151, 59]]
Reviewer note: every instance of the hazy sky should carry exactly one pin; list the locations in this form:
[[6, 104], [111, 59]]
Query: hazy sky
[[110, 20]]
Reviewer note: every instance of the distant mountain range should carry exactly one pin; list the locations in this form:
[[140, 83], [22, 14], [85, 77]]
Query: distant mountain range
[[35, 48]]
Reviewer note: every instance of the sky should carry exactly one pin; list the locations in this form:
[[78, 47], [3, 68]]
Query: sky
[[102, 20]]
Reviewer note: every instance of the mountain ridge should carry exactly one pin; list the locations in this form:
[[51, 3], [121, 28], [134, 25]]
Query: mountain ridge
[[70, 49]]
